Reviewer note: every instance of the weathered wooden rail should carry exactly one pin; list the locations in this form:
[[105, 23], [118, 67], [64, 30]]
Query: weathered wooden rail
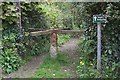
[[37, 33], [53, 37]]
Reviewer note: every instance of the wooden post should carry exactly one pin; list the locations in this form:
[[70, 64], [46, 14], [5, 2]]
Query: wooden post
[[1, 30], [19, 11], [53, 44]]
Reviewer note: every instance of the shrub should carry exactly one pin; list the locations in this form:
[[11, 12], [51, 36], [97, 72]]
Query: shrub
[[87, 71], [87, 66], [10, 61], [110, 36], [63, 38]]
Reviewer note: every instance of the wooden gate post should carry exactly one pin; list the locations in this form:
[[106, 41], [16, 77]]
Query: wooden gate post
[[53, 44]]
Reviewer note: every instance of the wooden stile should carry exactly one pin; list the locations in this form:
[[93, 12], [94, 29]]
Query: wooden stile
[[53, 37]]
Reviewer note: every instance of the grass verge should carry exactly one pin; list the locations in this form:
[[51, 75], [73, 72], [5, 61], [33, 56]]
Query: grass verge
[[52, 68]]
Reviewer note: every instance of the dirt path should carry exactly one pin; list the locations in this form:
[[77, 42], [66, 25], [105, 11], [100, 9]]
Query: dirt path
[[70, 49], [28, 70]]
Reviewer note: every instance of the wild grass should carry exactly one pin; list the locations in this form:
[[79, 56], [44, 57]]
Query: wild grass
[[52, 68]]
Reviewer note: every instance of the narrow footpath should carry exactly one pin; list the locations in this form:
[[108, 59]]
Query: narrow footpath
[[70, 48], [28, 70]]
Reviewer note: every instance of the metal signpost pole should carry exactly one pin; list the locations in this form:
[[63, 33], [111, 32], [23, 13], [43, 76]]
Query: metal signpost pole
[[99, 19], [99, 46]]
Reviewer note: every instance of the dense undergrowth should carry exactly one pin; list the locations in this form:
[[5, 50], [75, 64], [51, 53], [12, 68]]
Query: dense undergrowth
[[110, 41], [62, 38], [17, 45]]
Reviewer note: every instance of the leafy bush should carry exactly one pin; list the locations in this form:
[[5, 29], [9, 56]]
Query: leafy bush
[[10, 61], [110, 36], [86, 48], [15, 43], [110, 68], [88, 61], [86, 67], [87, 70], [62, 38], [40, 44], [34, 18]]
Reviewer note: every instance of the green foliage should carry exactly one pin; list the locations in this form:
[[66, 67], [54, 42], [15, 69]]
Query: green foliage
[[32, 17], [86, 48], [40, 46], [51, 68], [35, 19], [62, 38], [62, 58], [110, 68], [72, 15], [58, 15], [21, 44], [110, 35], [86, 67], [87, 70], [52, 13], [10, 61], [9, 14]]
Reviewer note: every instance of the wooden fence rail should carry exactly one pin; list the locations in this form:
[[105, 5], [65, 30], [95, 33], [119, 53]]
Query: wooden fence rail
[[37, 33]]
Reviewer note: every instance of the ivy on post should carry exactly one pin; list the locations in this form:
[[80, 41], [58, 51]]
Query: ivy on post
[[99, 19], [20, 36], [19, 15]]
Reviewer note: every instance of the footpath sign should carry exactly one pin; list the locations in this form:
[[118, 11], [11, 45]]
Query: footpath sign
[[99, 19]]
